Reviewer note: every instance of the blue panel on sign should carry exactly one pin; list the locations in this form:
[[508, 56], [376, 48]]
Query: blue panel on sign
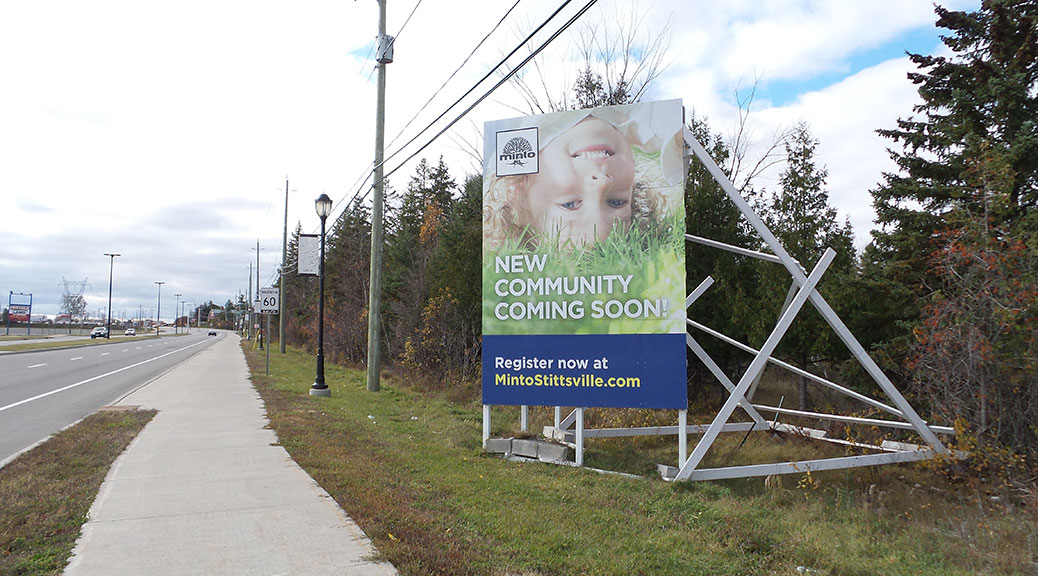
[[587, 370]]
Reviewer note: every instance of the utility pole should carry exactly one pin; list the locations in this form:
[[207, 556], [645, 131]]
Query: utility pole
[[248, 305], [176, 322], [258, 333], [383, 55], [158, 311], [281, 280], [111, 268]]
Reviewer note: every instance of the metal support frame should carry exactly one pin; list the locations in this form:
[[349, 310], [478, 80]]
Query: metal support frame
[[802, 290]]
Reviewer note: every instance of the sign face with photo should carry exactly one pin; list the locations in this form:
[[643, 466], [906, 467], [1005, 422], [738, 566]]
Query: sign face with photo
[[309, 254], [583, 258]]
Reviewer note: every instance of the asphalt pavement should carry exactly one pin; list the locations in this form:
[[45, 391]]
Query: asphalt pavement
[[44, 391], [204, 489]]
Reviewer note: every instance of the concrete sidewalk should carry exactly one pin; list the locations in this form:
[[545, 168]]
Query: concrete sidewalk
[[203, 490]]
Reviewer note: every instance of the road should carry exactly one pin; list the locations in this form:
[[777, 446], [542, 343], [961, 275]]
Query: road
[[43, 392]]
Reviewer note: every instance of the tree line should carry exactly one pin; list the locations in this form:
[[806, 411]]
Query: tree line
[[943, 297]]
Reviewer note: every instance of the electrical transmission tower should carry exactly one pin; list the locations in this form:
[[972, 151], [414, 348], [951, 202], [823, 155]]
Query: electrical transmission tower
[[72, 300]]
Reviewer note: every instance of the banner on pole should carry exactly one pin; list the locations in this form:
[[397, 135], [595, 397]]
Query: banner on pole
[[309, 254]]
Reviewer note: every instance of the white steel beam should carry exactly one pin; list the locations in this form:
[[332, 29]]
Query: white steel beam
[[733, 249], [705, 358], [847, 391], [806, 289], [809, 465], [817, 300], [850, 419], [703, 286], [569, 435]]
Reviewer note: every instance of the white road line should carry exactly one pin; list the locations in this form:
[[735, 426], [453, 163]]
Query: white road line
[[76, 358], [105, 353], [88, 380], [37, 365]]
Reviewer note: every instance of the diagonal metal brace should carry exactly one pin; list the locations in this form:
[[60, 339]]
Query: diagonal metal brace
[[758, 363]]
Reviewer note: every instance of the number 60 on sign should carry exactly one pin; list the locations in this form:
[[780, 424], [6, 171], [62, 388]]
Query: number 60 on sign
[[269, 301]]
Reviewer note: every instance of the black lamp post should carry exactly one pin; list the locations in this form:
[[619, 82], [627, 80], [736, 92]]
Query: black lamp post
[[111, 269], [323, 204]]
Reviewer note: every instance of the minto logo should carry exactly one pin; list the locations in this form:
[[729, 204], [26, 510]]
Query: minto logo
[[517, 152]]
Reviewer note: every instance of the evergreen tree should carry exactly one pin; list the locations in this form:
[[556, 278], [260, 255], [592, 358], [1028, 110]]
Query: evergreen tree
[[346, 272], [455, 283], [414, 235], [957, 220], [456, 263], [731, 304], [980, 105], [804, 222]]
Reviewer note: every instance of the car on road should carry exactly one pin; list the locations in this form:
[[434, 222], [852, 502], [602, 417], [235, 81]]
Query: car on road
[[130, 332], [212, 332], [99, 332]]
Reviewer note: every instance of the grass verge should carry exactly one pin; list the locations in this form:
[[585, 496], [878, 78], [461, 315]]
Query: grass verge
[[46, 493], [409, 468]]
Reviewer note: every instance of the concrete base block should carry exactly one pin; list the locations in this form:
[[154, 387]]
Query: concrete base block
[[521, 449], [667, 472], [499, 445], [552, 452], [526, 448]]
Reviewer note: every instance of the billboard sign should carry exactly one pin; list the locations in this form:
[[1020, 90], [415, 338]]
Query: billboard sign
[[583, 258], [19, 312]]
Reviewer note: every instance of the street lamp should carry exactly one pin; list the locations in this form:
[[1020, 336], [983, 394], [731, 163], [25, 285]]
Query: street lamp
[[323, 204], [111, 268], [158, 311], [176, 322]]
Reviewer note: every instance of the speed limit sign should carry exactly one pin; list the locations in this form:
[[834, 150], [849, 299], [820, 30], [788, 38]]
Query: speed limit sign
[[269, 301]]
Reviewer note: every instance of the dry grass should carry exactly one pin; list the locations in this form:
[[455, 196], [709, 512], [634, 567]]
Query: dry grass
[[45, 494], [408, 466]]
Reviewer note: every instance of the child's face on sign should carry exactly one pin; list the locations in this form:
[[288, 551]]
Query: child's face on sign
[[585, 183]]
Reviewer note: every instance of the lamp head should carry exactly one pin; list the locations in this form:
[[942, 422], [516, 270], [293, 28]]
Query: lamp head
[[323, 204]]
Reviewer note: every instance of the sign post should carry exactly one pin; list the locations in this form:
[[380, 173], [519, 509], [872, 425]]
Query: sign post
[[19, 312], [269, 303]]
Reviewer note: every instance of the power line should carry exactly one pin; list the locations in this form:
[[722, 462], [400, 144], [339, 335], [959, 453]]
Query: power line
[[399, 32], [363, 178], [453, 74], [490, 91], [494, 69], [495, 87]]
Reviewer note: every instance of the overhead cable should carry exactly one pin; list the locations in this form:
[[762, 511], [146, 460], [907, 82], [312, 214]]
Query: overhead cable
[[504, 79]]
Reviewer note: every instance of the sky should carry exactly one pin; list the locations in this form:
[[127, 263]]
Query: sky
[[165, 132]]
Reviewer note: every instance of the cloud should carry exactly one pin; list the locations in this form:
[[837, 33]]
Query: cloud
[[166, 133]]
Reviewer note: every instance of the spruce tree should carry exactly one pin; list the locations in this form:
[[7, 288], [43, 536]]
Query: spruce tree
[[959, 225], [979, 105]]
